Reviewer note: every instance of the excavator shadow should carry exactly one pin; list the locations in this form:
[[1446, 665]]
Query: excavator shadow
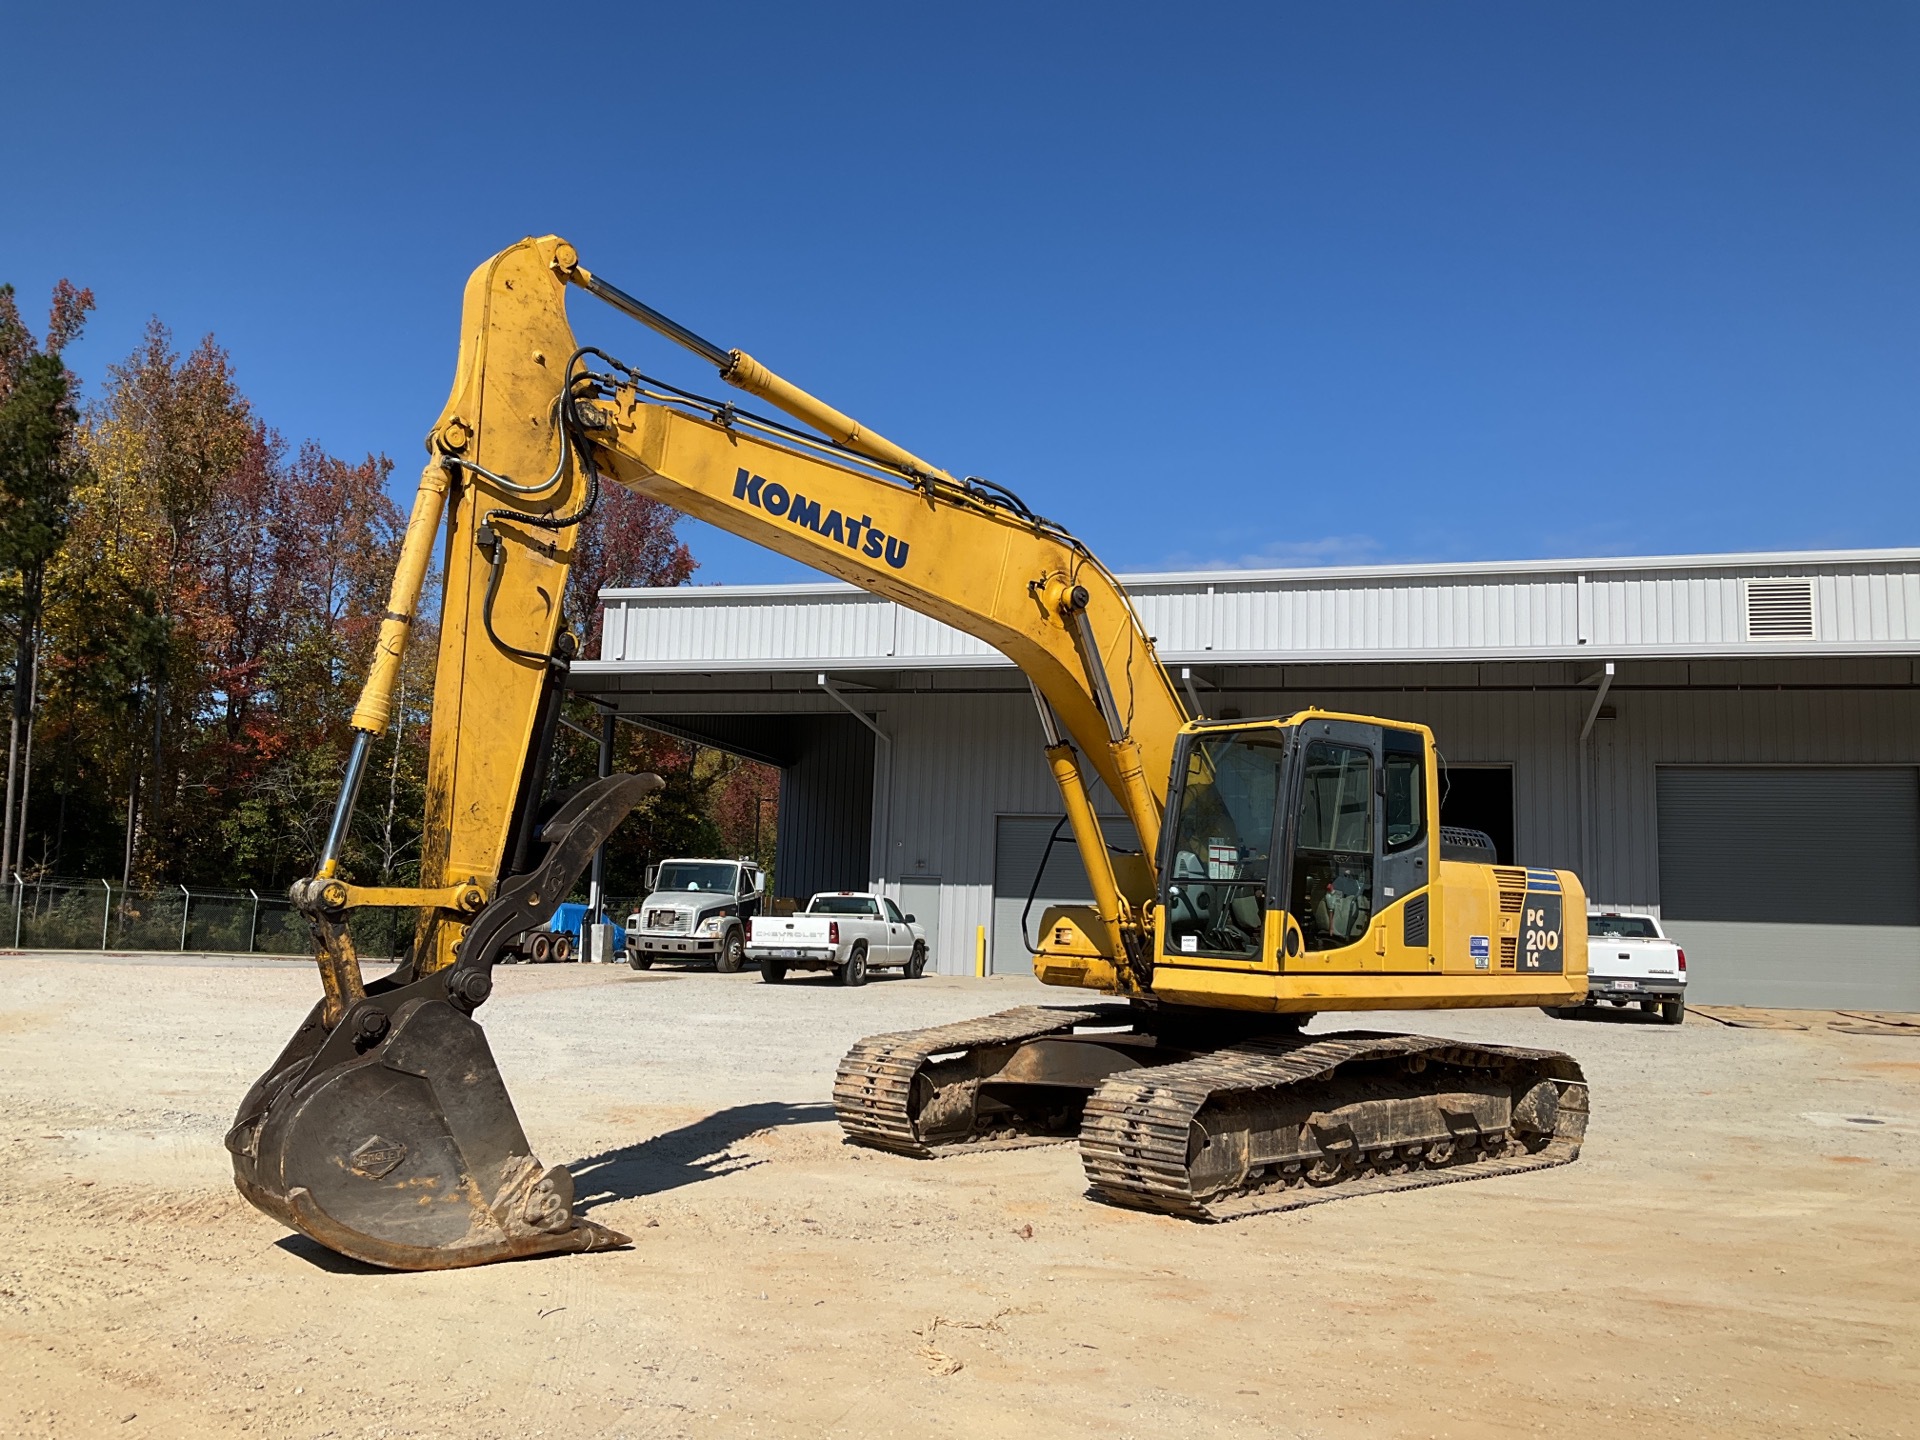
[[704, 1150], [321, 1258]]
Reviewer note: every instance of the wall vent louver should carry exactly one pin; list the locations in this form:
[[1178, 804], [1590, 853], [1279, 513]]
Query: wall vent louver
[[1780, 610]]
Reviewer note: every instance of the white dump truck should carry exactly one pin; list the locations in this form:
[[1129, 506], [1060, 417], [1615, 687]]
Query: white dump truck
[[696, 910], [849, 932], [1630, 961]]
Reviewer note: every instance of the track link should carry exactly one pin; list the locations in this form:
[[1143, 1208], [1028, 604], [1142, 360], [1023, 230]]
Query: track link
[[873, 1092], [1142, 1130]]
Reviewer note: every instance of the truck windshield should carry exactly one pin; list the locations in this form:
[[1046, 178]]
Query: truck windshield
[[842, 905], [1626, 927], [713, 877]]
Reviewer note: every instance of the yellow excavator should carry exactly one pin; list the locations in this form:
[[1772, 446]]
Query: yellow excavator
[[1269, 870]]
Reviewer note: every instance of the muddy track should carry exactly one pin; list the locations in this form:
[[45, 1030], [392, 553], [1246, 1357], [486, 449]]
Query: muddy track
[[1138, 1135]]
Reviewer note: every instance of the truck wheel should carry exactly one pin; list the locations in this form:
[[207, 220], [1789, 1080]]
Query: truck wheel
[[854, 972], [1651, 1007], [1674, 1011], [639, 961], [562, 949], [772, 971], [731, 954], [917, 965], [540, 949]]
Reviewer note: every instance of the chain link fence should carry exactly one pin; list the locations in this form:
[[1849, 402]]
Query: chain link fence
[[99, 915]]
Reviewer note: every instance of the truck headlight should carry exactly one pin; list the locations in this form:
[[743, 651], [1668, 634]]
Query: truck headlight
[[710, 926]]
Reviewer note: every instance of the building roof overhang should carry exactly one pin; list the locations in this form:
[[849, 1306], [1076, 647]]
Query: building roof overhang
[[1822, 603]]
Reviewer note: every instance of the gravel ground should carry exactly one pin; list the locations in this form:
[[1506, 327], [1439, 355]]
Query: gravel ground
[[1735, 1252]]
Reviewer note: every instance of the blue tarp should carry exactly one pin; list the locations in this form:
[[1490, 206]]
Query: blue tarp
[[571, 918]]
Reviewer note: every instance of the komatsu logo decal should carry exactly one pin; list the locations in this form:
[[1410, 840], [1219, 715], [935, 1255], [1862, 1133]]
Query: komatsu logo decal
[[859, 536]]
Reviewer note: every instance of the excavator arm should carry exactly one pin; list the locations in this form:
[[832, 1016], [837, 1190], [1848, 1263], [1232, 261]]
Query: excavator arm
[[970, 555], [383, 1130]]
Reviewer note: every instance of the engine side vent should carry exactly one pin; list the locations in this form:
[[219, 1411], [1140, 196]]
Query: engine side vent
[[1513, 888], [1414, 922], [1780, 610], [1509, 951]]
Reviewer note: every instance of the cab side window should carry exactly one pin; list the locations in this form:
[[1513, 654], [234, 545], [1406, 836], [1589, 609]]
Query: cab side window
[[893, 913], [1406, 787]]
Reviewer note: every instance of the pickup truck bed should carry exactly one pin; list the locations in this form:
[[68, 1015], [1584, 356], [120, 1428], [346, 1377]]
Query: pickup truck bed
[[1630, 961], [848, 933]]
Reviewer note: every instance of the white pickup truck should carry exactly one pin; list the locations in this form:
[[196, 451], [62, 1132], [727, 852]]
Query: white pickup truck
[[1631, 961], [848, 932]]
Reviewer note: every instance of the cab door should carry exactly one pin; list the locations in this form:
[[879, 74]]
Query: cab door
[[1356, 847], [1332, 877], [1405, 838]]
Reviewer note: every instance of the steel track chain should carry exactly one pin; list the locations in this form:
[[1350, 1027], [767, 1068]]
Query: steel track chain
[[873, 1089], [1134, 1137]]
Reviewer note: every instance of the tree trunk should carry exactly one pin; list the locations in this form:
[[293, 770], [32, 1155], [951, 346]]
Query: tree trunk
[[26, 762], [13, 760], [23, 682], [133, 809]]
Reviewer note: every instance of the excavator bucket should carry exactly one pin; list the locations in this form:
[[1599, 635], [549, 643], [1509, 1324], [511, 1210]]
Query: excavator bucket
[[407, 1154], [389, 1136]]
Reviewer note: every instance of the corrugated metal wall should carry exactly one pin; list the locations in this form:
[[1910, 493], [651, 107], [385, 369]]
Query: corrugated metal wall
[[964, 755], [825, 836], [961, 760], [958, 762], [1834, 712]]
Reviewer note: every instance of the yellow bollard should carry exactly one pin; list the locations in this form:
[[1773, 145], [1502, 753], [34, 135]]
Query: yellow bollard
[[980, 952]]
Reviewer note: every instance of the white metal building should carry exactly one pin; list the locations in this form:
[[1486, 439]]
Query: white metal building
[[1731, 741]]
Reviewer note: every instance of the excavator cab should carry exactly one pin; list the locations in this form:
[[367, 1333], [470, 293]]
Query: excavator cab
[[1287, 838]]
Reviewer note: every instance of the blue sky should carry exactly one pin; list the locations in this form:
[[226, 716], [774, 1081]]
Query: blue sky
[[1254, 285]]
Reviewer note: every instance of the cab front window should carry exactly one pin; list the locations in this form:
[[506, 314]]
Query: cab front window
[[1222, 840]]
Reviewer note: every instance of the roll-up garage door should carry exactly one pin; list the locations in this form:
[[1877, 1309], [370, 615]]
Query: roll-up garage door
[[1019, 842], [1794, 886]]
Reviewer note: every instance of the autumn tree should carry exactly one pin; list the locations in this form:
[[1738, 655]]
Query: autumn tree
[[628, 540], [319, 537], [209, 610], [40, 465], [631, 540], [218, 597]]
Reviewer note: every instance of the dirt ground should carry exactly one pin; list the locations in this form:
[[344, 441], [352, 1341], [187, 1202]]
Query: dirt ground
[[1737, 1252]]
